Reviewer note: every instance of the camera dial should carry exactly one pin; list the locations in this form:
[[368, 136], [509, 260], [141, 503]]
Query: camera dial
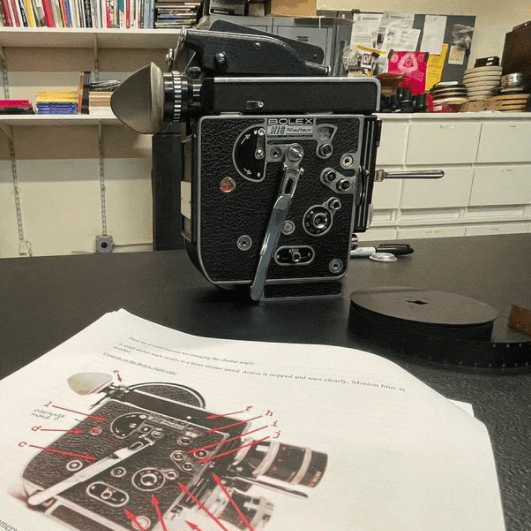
[[148, 479]]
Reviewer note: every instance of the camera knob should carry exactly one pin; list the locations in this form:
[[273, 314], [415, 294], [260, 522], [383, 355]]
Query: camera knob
[[320, 220], [295, 153]]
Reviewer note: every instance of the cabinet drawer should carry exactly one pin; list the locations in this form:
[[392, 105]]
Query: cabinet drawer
[[506, 185], [393, 142], [443, 143], [453, 190], [505, 142]]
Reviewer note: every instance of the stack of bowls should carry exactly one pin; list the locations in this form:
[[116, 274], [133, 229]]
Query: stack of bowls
[[512, 83], [448, 93], [482, 82]]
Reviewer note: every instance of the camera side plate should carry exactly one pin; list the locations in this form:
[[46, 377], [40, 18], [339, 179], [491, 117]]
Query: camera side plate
[[320, 217], [164, 462]]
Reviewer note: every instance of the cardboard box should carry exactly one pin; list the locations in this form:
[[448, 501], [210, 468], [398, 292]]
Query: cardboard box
[[292, 8]]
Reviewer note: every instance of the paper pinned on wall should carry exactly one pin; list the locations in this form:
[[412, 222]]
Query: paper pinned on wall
[[433, 36], [457, 55], [409, 40], [395, 29], [365, 28], [435, 66]]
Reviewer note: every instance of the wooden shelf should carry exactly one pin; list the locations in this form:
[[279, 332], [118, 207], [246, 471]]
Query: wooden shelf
[[87, 38]]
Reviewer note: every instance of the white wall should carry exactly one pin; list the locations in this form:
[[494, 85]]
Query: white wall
[[494, 18]]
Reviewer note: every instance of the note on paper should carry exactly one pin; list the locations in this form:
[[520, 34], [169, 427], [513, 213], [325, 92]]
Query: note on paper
[[435, 67], [433, 36]]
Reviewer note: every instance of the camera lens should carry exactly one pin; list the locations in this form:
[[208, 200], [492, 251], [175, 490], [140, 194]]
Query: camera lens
[[293, 464]]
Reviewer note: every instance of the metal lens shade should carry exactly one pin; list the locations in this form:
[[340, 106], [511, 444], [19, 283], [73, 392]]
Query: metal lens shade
[[139, 100]]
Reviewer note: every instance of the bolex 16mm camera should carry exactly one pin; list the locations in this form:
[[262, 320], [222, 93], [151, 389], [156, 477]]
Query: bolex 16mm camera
[[277, 159], [151, 458]]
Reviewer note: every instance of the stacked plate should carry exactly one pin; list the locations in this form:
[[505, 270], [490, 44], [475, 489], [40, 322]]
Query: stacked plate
[[509, 102], [482, 82], [448, 92]]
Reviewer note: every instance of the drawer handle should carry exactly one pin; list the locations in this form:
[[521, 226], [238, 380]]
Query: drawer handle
[[381, 175]]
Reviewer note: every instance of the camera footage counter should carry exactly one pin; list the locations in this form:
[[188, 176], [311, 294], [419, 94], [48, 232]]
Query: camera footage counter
[[47, 300]]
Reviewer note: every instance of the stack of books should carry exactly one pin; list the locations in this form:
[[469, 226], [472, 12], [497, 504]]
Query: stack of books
[[176, 13], [133, 14], [100, 93], [11, 106], [94, 96], [57, 102]]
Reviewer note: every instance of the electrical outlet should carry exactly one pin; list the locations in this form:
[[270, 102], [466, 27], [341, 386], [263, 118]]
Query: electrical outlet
[[104, 244]]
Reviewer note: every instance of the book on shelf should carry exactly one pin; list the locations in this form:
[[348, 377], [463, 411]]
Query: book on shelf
[[126, 14], [176, 14], [83, 92], [13, 106], [57, 101], [94, 94]]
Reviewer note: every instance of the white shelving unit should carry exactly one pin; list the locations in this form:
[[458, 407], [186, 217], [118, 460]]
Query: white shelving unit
[[487, 184], [66, 179], [86, 38]]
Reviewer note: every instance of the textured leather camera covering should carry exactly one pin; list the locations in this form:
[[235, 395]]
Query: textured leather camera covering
[[223, 218], [97, 441]]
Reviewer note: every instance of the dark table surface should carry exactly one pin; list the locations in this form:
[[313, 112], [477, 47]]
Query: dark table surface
[[44, 301]]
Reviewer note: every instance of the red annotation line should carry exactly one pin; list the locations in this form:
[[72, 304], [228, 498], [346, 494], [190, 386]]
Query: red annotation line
[[219, 428], [155, 504], [233, 503], [88, 415], [88, 457], [75, 431], [132, 518], [217, 416], [215, 456], [193, 526], [201, 506], [199, 448]]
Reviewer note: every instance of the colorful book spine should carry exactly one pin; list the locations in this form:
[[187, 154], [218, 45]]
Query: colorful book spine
[[48, 14], [68, 14], [7, 13], [28, 8], [127, 14], [38, 11], [57, 14], [88, 13], [81, 10], [15, 12], [151, 13]]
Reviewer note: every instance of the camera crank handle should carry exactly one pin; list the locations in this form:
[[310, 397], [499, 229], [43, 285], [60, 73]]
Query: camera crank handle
[[292, 172], [382, 175], [92, 470]]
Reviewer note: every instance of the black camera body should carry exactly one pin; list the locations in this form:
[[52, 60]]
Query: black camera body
[[150, 457], [276, 159], [245, 167]]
